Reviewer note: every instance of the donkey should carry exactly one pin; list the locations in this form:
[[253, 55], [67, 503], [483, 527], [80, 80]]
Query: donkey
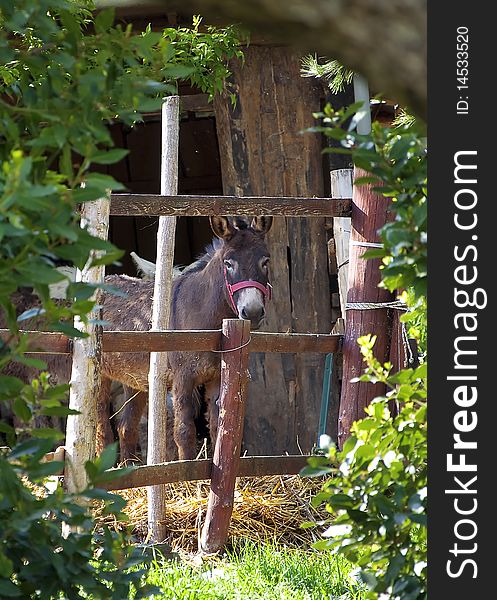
[[230, 280]]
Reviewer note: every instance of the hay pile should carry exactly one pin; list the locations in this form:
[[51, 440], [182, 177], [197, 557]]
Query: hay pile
[[265, 508]]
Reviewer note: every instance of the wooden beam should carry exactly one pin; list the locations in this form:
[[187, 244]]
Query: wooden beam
[[232, 401], [161, 310], [293, 343], [205, 340], [370, 213], [42, 341], [197, 206], [196, 470], [82, 429], [341, 186], [162, 341], [202, 340]]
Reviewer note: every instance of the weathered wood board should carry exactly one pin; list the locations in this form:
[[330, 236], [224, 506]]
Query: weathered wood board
[[264, 153]]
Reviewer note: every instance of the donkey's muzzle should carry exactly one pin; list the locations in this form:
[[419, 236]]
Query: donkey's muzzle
[[255, 314]]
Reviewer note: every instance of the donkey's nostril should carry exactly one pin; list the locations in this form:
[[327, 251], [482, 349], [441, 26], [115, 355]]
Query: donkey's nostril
[[252, 313]]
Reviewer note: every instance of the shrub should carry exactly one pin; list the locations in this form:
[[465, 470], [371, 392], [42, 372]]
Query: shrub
[[377, 492], [377, 497]]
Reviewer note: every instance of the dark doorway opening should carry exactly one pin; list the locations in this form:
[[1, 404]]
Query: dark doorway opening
[[199, 173]]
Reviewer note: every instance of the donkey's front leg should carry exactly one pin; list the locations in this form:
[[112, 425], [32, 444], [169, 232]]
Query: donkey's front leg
[[212, 399], [104, 435], [184, 415], [129, 422]]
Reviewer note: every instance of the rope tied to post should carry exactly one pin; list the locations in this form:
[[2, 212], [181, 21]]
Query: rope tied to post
[[233, 349], [397, 304], [366, 244]]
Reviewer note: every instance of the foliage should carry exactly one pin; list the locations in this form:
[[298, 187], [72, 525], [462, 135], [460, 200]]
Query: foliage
[[378, 497], [334, 73], [206, 54], [376, 493], [395, 158], [404, 118], [36, 559], [65, 75]]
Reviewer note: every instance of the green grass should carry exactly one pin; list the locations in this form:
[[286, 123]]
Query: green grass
[[259, 572]]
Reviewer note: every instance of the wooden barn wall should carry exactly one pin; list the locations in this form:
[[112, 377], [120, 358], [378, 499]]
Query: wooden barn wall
[[263, 153]]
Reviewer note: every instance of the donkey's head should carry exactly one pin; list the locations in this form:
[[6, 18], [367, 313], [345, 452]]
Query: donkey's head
[[245, 261]]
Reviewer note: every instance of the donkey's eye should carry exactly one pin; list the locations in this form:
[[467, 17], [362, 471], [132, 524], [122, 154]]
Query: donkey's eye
[[265, 263], [228, 264]]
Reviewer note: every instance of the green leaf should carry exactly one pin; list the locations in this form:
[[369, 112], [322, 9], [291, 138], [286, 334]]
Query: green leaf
[[9, 385], [315, 471], [69, 330], [35, 363], [32, 447], [6, 566], [150, 104], [178, 71], [48, 433], [103, 182], [107, 458], [58, 411], [369, 579], [341, 501], [9, 590], [104, 20], [86, 194], [36, 271], [65, 163], [46, 469], [21, 409], [110, 156], [322, 544]]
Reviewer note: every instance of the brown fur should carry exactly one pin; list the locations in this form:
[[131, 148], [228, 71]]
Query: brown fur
[[199, 301]]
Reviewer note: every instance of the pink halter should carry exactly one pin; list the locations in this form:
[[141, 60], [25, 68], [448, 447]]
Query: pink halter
[[266, 291]]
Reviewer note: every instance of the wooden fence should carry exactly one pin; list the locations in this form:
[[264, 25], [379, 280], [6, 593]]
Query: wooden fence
[[235, 341], [226, 464], [221, 472], [200, 340]]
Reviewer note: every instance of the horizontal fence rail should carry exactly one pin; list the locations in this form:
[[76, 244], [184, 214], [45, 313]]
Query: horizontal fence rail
[[194, 470], [198, 206], [186, 341]]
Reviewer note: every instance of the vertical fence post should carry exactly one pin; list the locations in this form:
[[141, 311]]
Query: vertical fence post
[[341, 187], [81, 429], [157, 383], [234, 378], [369, 214]]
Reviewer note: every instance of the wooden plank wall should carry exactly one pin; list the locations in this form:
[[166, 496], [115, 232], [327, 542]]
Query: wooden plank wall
[[263, 153]]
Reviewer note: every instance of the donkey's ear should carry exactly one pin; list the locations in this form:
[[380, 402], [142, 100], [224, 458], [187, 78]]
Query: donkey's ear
[[262, 224], [222, 227]]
